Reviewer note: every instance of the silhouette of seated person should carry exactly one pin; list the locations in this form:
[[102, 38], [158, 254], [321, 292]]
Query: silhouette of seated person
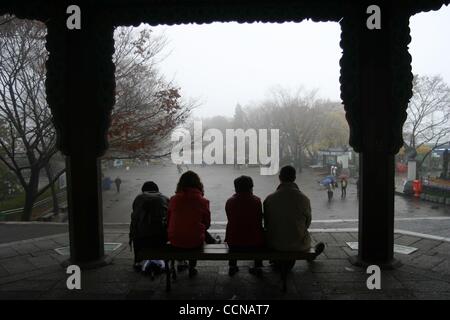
[[189, 216], [244, 231], [287, 217], [148, 227]]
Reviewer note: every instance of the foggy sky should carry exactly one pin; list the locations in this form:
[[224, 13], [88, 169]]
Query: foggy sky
[[222, 64]]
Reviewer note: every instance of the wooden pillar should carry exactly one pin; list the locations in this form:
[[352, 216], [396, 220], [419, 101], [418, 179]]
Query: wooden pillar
[[376, 209], [80, 91], [376, 86]]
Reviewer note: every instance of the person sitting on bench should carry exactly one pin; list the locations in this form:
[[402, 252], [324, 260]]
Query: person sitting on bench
[[148, 227], [287, 217], [189, 216], [244, 231]]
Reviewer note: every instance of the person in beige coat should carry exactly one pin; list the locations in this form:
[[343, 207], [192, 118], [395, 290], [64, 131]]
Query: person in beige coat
[[287, 216]]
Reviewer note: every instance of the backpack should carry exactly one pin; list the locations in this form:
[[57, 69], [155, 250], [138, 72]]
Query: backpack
[[149, 217]]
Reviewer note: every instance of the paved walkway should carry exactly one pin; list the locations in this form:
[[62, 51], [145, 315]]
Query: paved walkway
[[31, 269]]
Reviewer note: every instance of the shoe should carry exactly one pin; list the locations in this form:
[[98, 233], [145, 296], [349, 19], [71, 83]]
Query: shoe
[[232, 271], [192, 272], [319, 248], [255, 271]]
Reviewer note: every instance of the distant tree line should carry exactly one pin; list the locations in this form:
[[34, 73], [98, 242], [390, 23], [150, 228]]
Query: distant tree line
[[305, 122]]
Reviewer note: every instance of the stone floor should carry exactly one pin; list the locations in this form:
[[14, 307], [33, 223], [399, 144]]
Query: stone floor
[[31, 269]]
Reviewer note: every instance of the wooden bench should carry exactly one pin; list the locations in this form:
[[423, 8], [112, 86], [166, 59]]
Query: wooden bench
[[219, 252]]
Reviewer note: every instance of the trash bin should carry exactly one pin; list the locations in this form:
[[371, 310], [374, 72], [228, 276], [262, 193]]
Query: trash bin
[[106, 183], [417, 187]]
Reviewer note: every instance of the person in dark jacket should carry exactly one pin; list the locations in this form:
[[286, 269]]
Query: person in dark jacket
[[330, 191], [358, 188], [118, 182], [343, 187], [148, 227], [244, 230]]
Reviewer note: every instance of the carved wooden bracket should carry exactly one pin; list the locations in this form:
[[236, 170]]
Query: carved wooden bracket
[[80, 81], [351, 79]]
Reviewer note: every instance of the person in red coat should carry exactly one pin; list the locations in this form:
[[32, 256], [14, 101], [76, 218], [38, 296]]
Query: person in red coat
[[188, 216], [244, 228]]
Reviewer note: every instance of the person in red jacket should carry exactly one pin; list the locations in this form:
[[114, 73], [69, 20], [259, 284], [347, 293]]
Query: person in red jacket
[[189, 216], [244, 228]]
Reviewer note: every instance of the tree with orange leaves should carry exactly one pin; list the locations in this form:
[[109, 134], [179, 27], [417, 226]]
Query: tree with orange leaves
[[147, 107]]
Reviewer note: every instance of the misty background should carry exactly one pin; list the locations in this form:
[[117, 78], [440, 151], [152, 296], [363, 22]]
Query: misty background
[[223, 64]]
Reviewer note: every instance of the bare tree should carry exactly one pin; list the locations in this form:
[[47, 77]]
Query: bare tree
[[8, 183], [29, 144], [428, 121], [306, 123], [295, 115], [334, 130]]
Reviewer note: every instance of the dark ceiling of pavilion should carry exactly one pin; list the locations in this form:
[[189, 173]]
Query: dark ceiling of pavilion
[[133, 12]]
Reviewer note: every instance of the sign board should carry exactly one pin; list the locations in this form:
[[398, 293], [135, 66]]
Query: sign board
[[412, 170], [118, 163]]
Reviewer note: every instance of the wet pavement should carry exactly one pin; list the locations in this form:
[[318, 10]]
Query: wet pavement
[[411, 214]]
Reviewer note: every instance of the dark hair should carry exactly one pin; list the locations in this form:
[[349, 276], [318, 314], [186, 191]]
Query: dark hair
[[287, 174], [243, 184], [150, 186], [189, 179]]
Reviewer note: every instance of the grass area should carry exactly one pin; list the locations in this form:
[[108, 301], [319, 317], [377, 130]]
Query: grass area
[[19, 200], [16, 202]]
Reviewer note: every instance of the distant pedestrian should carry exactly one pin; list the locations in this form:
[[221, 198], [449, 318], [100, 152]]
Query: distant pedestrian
[[330, 191], [343, 188], [358, 187], [118, 182]]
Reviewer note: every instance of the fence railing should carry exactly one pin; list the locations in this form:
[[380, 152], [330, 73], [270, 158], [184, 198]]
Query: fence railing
[[46, 203]]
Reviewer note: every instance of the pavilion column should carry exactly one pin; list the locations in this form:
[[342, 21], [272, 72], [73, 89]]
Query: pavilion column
[[80, 90], [376, 83]]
